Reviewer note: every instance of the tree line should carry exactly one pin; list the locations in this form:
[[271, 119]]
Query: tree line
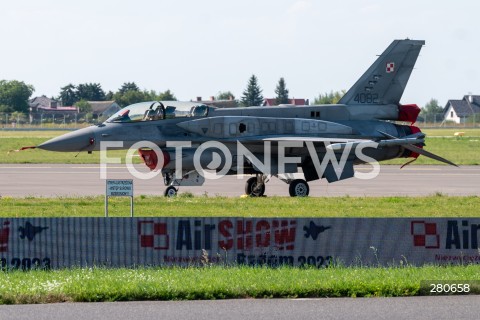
[[128, 93], [15, 95]]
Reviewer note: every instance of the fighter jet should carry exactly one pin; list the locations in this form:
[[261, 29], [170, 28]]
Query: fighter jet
[[296, 144]]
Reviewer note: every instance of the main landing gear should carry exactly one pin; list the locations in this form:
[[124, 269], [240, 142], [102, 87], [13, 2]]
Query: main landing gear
[[255, 186], [299, 188]]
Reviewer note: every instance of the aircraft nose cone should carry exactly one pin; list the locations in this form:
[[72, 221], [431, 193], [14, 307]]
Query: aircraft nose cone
[[79, 140]]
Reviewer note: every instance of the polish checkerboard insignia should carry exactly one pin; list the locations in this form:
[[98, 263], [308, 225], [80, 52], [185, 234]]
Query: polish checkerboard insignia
[[390, 67], [425, 234]]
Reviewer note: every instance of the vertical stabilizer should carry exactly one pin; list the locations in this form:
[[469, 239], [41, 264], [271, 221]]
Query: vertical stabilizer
[[384, 82]]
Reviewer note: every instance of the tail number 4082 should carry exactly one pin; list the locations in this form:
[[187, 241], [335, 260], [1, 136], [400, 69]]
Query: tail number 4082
[[366, 98]]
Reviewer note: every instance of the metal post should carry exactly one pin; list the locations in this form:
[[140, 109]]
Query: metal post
[[131, 207], [106, 206]]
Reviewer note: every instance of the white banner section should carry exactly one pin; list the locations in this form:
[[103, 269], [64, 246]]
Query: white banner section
[[117, 242]]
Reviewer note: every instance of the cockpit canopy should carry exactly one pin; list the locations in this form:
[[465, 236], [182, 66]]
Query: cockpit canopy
[[155, 110]]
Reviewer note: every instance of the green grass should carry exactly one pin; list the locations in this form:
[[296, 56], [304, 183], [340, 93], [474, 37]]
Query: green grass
[[96, 284], [43, 156], [44, 134], [441, 132], [222, 282], [188, 206], [463, 150]]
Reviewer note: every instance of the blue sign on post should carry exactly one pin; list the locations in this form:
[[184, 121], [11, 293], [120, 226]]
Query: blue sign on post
[[119, 188]]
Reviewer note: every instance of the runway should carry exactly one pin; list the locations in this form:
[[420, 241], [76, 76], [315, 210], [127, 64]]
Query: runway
[[428, 308], [62, 180]]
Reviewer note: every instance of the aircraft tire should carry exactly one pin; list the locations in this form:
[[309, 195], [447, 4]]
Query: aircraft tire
[[170, 192], [299, 188], [250, 188]]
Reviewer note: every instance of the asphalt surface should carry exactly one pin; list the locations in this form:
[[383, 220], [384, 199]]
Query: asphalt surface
[[55, 180], [426, 308]]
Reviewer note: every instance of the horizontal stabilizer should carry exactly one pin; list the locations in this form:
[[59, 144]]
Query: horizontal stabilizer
[[411, 146], [428, 154]]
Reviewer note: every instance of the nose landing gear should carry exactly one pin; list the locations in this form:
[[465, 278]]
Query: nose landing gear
[[188, 178], [255, 186], [171, 191]]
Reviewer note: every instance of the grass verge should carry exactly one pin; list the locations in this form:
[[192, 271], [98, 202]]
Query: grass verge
[[217, 282], [461, 150], [96, 284], [186, 205]]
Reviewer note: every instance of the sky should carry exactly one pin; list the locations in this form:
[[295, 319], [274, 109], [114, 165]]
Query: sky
[[199, 48]]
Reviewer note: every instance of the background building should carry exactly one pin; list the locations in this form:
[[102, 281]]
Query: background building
[[461, 111]]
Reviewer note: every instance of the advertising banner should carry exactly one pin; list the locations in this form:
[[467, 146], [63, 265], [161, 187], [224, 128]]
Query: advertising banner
[[116, 242]]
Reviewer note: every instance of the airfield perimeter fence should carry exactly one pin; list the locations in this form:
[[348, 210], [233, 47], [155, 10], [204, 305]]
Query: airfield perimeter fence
[[437, 121], [57, 120], [71, 120]]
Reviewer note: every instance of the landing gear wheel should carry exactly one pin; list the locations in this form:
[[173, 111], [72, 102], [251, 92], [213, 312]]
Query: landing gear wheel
[[252, 188], [299, 188], [170, 192]]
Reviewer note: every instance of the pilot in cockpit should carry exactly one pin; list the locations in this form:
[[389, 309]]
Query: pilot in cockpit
[[153, 114], [149, 114], [158, 113]]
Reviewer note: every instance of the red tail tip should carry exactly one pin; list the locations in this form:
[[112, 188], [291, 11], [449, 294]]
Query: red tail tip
[[408, 113]]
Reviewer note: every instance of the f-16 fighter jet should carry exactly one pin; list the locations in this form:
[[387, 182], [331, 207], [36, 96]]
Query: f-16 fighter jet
[[188, 142]]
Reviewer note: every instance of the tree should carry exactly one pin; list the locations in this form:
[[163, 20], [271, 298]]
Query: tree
[[432, 112], [252, 96], [329, 98], [282, 92], [83, 106], [128, 86], [109, 96], [225, 95], [166, 96], [68, 95], [128, 93], [90, 92], [129, 97], [432, 107], [14, 96]]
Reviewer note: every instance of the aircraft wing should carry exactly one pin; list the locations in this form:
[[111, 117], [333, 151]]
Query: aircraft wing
[[316, 139]]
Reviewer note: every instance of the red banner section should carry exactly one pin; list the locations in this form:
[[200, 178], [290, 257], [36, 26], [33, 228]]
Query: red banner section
[[117, 242]]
